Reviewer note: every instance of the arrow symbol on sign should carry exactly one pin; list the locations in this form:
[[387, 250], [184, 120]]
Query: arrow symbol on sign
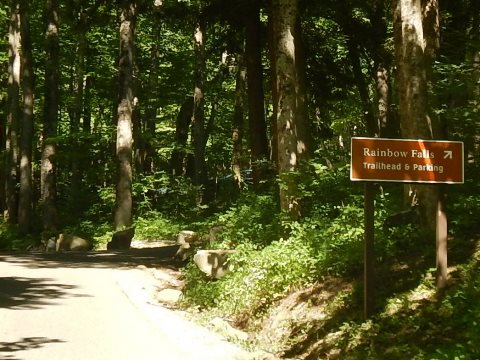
[[448, 154]]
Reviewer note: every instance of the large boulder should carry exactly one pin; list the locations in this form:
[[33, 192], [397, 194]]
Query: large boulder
[[214, 263], [186, 240], [121, 240], [187, 237], [68, 242]]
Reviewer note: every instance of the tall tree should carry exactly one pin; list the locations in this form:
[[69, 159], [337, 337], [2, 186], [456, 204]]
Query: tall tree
[[382, 68], [304, 135], [291, 147], [148, 150], [11, 146], [238, 119], [414, 35], [48, 166], [123, 199], [473, 58], [182, 127], [198, 119], [25, 193], [256, 107], [81, 19]]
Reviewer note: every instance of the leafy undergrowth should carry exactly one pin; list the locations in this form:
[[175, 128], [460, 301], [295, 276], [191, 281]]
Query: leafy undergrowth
[[413, 321]]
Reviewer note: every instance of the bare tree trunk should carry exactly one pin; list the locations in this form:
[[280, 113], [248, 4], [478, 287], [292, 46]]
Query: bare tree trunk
[[473, 58], [362, 87], [382, 88], [412, 87], [256, 107], [151, 111], [304, 135], [198, 120], [123, 199], [11, 145], [25, 193], [238, 120], [48, 167], [272, 53], [414, 49], [3, 123], [385, 122], [290, 146], [182, 126], [78, 102], [411, 70]]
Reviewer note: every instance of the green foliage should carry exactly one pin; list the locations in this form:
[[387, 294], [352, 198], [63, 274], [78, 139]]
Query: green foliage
[[154, 226], [175, 196], [100, 233], [253, 219], [105, 206], [418, 324], [338, 244], [259, 277], [465, 212], [10, 238]]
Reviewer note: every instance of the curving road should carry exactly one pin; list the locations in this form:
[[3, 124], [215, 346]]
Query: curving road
[[94, 306]]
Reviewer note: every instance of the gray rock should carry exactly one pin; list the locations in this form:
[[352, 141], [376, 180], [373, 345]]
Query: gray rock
[[121, 240], [68, 242], [214, 263], [169, 296], [187, 237], [188, 241]]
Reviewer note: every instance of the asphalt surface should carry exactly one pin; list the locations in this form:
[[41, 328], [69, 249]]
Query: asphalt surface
[[95, 306]]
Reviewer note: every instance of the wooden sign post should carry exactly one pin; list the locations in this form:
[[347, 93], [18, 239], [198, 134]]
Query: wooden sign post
[[408, 161]]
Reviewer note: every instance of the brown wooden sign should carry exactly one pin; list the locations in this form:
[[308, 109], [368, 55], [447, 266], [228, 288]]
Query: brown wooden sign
[[401, 160]]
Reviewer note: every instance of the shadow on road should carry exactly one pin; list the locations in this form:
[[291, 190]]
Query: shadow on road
[[19, 293], [24, 344], [23, 293], [151, 257]]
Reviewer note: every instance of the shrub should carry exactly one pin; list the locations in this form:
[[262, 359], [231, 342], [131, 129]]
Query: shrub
[[259, 277], [252, 220], [154, 226]]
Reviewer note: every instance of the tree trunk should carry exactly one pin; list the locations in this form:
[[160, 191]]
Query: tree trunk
[[290, 146], [78, 102], [412, 86], [272, 54], [48, 167], [182, 126], [198, 120], [238, 120], [414, 51], [256, 108], [387, 125], [411, 70], [123, 199], [3, 123], [87, 101], [25, 193], [304, 135], [362, 87], [151, 111], [11, 146], [473, 58]]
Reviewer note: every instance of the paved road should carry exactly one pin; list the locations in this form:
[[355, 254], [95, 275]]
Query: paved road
[[95, 307]]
